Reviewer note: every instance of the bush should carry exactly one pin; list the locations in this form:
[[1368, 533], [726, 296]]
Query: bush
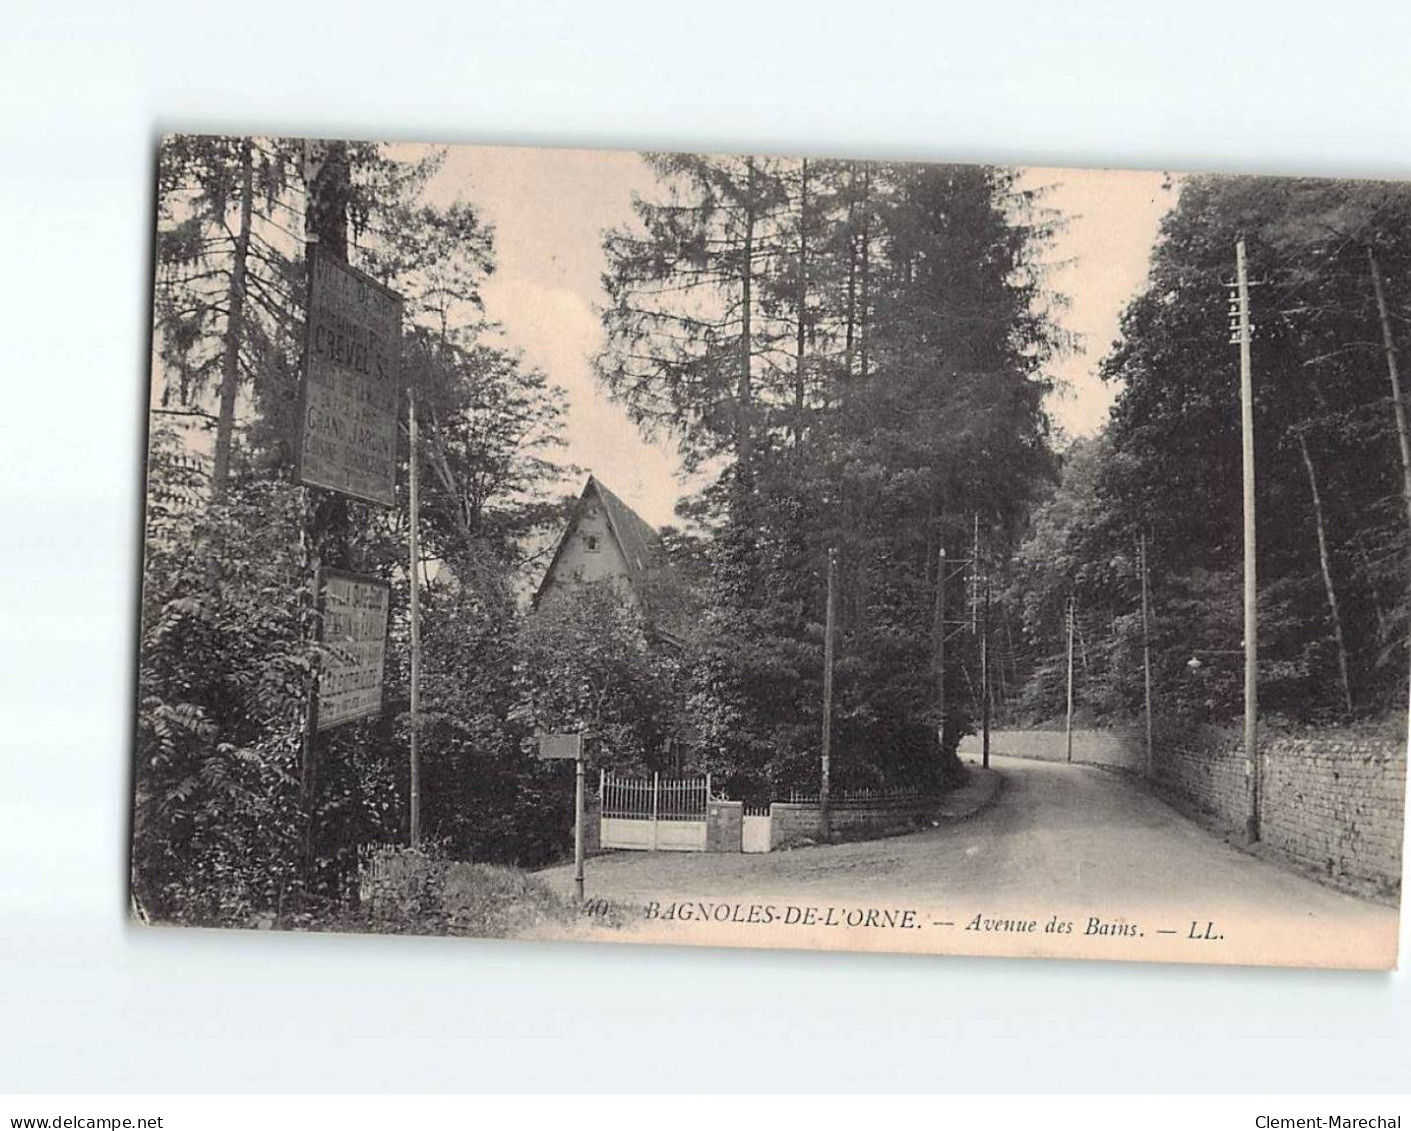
[[413, 891], [222, 683]]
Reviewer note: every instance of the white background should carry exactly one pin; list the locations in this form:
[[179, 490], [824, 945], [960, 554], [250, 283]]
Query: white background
[[88, 1003]]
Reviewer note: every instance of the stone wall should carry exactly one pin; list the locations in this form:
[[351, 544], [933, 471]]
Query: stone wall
[[1123, 749], [1205, 769], [1338, 805], [1334, 798], [793, 823]]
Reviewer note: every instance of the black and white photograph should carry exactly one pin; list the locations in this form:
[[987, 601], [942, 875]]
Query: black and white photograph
[[771, 551], [650, 565]]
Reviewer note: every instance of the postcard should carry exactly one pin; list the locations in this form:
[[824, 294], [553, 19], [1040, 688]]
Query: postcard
[[775, 551]]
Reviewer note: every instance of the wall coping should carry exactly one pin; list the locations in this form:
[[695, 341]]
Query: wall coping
[[912, 803]]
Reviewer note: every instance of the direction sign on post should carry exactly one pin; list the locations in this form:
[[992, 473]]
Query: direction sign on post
[[561, 746], [352, 385], [571, 746], [353, 631]]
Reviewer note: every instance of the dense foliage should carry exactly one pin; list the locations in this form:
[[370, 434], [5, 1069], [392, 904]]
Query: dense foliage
[[1330, 498], [854, 351], [220, 828]]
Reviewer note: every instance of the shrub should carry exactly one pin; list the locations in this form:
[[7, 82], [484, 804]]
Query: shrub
[[415, 891]]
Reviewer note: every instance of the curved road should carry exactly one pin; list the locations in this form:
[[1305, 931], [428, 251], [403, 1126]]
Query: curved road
[[1062, 843]]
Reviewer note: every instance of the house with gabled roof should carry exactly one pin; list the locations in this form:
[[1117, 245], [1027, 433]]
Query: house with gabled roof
[[607, 542]]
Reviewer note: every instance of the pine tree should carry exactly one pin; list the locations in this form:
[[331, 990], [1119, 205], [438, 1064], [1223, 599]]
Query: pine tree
[[890, 317]]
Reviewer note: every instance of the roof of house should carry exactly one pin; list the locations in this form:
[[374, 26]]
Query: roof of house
[[636, 538]]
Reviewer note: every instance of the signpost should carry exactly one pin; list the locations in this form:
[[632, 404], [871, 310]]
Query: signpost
[[571, 746], [353, 629], [352, 386], [345, 441]]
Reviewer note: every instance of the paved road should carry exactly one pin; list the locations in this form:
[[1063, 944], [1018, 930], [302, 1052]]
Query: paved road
[[1074, 842]]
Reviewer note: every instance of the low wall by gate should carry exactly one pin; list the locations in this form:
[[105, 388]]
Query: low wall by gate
[[794, 823]]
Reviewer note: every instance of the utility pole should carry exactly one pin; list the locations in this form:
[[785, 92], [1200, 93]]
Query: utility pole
[[940, 653], [308, 761], [415, 508], [975, 579], [1068, 724], [825, 815], [1253, 766], [1146, 650], [985, 680]]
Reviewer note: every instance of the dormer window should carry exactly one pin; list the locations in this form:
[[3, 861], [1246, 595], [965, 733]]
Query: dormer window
[[591, 543]]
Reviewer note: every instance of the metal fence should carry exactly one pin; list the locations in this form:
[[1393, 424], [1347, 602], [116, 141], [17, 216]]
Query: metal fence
[[654, 798]]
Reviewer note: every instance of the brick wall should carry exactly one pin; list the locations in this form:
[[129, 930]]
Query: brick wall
[[1334, 798], [792, 823]]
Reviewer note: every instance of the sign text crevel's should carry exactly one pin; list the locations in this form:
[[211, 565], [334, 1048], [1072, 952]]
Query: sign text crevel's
[[352, 384]]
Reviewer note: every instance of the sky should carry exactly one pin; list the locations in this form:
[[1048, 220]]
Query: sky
[[550, 207]]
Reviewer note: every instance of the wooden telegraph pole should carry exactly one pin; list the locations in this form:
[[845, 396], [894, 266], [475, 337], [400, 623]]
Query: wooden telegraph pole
[[308, 762], [940, 653], [1146, 650], [985, 679], [975, 580], [415, 602], [1068, 724], [1253, 766], [825, 815]]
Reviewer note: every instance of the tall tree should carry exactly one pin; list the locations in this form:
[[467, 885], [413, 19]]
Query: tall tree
[[684, 332], [1330, 500], [890, 318]]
